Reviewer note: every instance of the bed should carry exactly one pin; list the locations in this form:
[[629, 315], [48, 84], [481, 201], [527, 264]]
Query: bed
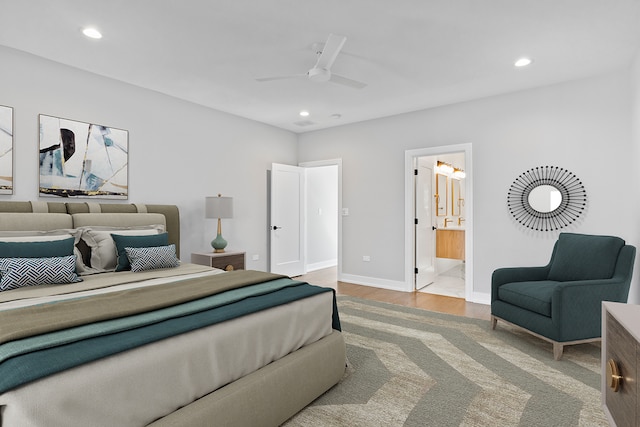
[[162, 344]]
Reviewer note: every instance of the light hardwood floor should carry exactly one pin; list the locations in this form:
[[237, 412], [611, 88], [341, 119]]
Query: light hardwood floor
[[458, 306]]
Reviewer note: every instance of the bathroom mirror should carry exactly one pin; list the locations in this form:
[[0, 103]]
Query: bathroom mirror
[[441, 195], [546, 198], [455, 197]]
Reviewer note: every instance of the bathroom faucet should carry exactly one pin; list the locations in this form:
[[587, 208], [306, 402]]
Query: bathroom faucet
[[446, 221], [460, 219]]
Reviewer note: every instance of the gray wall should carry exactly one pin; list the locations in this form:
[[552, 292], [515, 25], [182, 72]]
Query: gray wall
[[634, 157], [179, 152], [583, 126]]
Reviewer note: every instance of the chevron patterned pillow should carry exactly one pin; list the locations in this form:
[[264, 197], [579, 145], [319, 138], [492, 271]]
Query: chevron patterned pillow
[[153, 257], [18, 272]]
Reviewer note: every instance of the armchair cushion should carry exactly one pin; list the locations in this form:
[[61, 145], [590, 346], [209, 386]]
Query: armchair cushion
[[532, 296], [582, 257]]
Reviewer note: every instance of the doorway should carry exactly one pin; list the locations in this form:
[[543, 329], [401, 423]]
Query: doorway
[[319, 244], [324, 217], [441, 216], [438, 205]]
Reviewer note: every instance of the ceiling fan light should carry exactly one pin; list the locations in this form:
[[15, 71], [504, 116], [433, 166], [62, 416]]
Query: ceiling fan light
[[523, 62], [92, 33]]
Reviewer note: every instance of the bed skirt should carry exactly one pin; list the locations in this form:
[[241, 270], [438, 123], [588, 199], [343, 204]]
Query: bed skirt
[[271, 395]]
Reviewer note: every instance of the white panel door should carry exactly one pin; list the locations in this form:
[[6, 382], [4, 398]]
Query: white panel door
[[424, 231], [287, 220]]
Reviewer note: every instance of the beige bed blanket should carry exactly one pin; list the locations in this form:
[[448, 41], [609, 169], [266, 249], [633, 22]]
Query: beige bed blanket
[[29, 321]]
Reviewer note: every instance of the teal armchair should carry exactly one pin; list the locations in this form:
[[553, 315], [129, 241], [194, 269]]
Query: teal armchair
[[561, 302]]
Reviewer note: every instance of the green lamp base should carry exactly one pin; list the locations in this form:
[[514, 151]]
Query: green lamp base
[[218, 244]]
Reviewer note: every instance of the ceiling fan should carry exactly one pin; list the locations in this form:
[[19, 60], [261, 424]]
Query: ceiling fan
[[321, 72]]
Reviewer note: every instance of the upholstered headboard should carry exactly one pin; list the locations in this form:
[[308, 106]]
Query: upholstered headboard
[[51, 215]]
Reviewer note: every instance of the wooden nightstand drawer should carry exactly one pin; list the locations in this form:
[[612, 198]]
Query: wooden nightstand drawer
[[224, 261]]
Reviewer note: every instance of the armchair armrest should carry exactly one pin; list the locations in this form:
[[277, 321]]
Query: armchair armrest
[[576, 306], [502, 276]]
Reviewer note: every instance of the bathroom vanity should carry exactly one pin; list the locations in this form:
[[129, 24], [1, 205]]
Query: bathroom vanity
[[450, 243]]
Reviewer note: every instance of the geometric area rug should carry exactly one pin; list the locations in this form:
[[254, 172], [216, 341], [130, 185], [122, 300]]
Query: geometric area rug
[[412, 367]]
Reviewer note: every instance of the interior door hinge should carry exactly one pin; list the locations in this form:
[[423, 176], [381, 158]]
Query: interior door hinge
[[416, 270], [416, 221], [415, 171]]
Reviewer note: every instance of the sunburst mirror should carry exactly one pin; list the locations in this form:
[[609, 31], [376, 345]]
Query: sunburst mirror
[[546, 198]]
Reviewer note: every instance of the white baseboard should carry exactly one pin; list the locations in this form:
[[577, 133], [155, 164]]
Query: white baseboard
[[480, 298], [322, 264], [375, 282], [476, 297]]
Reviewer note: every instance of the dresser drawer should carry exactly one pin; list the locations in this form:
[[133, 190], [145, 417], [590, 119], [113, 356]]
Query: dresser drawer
[[621, 347]]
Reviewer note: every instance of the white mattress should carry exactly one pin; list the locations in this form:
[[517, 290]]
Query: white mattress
[[136, 387]]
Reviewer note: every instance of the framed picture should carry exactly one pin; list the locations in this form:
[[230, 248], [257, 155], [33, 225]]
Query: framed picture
[[80, 159], [6, 150]]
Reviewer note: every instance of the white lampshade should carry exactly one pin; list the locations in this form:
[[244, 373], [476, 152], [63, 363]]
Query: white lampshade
[[218, 207]]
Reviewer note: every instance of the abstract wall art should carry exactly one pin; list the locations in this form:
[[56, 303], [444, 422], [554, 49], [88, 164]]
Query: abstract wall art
[[6, 150], [80, 159]]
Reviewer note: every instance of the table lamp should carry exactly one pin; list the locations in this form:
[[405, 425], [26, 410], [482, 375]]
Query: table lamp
[[219, 207]]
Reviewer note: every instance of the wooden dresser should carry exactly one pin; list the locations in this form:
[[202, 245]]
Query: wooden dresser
[[621, 363]]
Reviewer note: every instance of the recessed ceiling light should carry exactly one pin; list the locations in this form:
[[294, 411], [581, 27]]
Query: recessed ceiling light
[[92, 33], [304, 113], [523, 62]]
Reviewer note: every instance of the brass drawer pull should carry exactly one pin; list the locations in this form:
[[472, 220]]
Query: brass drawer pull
[[614, 379]]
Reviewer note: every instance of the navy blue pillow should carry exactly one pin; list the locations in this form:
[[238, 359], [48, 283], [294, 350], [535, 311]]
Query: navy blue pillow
[[125, 241], [48, 249]]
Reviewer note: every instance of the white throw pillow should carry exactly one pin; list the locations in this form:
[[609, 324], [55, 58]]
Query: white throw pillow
[[103, 249]]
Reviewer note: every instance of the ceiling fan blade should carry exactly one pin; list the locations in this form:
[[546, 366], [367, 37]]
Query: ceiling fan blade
[[346, 81], [330, 51], [268, 79]]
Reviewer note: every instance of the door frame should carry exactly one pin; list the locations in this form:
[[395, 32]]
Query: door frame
[[409, 191], [330, 162]]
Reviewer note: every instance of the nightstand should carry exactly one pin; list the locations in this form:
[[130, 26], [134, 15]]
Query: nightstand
[[229, 260]]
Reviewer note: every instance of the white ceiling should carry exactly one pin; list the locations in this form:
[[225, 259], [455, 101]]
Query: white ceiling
[[413, 54]]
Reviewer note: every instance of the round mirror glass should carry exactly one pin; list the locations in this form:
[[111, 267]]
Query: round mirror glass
[[545, 198]]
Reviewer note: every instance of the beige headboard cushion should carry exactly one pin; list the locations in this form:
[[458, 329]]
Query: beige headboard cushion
[[170, 212], [117, 219], [14, 221], [11, 206]]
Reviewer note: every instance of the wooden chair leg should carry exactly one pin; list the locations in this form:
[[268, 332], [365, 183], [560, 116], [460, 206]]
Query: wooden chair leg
[[557, 350], [494, 322]]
